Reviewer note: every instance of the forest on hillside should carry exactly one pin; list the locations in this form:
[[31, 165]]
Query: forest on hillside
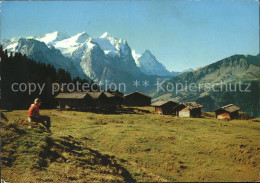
[[17, 68]]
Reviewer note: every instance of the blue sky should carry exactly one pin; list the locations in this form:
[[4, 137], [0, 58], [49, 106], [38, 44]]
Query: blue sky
[[180, 33]]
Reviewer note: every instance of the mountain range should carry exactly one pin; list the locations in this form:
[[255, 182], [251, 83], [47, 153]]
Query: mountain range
[[243, 70], [102, 59], [111, 60]]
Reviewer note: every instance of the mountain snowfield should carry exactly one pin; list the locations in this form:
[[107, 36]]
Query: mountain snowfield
[[105, 58], [51, 38]]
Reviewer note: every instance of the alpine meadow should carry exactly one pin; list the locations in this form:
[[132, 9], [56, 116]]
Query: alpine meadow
[[130, 91]]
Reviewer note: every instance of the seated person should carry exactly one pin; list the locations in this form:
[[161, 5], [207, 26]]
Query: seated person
[[34, 115]]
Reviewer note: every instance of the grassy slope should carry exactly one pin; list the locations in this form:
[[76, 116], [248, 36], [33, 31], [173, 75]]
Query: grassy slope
[[149, 146], [32, 155]]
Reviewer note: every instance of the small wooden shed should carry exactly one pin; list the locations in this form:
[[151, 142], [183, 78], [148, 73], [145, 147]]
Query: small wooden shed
[[105, 100], [77, 100], [188, 109], [97, 100], [229, 111], [164, 106], [89, 100], [114, 100], [137, 99]]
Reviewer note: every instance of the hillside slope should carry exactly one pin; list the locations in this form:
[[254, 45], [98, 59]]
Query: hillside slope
[[29, 154], [137, 145], [231, 71]]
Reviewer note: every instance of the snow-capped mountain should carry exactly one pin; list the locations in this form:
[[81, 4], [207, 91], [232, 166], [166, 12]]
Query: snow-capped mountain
[[149, 65], [106, 58], [110, 45], [10, 44], [136, 56], [75, 46], [51, 38], [39, 51]]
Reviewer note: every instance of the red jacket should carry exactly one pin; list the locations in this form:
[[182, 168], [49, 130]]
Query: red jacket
[[33, 111]]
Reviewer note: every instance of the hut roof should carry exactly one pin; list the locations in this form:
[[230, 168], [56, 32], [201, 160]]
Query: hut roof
[[74, 95], [137, 93], [114, 94], [229, 108], [95, 95], [161, 103], [189, 105], [192, 105], [109, 95], [81, 95]]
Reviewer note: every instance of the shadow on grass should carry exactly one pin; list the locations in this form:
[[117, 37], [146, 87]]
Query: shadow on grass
[[80, 155]]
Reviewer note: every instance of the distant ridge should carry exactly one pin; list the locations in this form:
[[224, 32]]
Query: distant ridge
[[231, 70]]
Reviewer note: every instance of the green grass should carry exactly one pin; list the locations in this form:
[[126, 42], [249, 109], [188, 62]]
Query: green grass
[[150, 147]]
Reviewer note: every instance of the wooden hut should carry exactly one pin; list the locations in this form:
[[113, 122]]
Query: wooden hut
[[164, 106], [76, 100], [229, 111], [97, 100], [137, 99], [104, 100], [89, 100], [188, 109], [114, 100]]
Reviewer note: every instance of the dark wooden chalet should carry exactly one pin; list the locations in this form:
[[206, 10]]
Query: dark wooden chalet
[[76, 100], [229, 111], [114, 99], [88, 100], [97, 100], [104, 100], [188, 109], [137, 99], [164, 106]]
